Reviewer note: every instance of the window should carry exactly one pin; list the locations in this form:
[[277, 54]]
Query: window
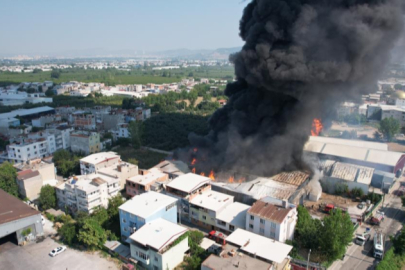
[[273, 225], [125, 229], [231, 227], [142, 255], [262, 221], [221, 222], [252, 217], [124, 220], [155, 267], [28, 149], [204, 217], [272, 234], [156, 259], [261, 231], [250, 226]]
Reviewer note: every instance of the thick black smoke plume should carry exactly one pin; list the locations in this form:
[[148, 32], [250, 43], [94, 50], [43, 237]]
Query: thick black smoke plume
[[301, 59]]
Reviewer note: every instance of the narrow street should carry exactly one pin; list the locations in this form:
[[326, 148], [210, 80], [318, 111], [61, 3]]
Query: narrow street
[[361, 257]]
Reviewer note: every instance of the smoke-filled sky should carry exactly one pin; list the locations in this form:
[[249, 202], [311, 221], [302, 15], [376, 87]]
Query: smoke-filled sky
[[44, 26], [301, 58]]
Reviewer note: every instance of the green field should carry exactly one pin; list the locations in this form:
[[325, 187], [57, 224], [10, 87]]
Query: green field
[[114, 77]]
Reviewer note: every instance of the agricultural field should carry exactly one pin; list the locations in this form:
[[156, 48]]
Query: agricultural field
[[114, 76]]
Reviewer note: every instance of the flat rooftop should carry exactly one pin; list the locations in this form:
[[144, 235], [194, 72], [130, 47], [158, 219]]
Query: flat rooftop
[[234, 214], [147, 204], [259, 246], [239, 261], [158, 234], [211, 200], [11, 208], [147, 179], [188, 182], [100, 157]]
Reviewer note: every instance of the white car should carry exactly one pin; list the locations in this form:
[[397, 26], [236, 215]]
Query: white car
[[57, 251]]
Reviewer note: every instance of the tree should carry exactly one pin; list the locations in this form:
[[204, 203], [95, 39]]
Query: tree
[[399, 243], [135, 130], [66, 163], [68, 232], [307, 229], [8, 175], [49, 93], [47, 197], [335, 235], [113, 223], [389, 127], [55, 74], [133, 161], [92, 234]]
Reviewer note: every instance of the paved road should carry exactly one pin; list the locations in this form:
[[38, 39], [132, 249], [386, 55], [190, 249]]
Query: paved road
[[361, 258]]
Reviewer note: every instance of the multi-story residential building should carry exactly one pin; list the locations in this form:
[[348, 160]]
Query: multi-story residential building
[[205, 207], [121, 131], [62, 136], [111, 120], [86, 192], [151, 246], [30, 149], [85, 142], [232, 217], [145, 208], [273, 221], [32, 176], [185, 188], [83, 120], [142, 183], [141, 114], [121, 171], [94, 162]]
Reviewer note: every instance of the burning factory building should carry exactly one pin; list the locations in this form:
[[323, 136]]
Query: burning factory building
[[299, 62]]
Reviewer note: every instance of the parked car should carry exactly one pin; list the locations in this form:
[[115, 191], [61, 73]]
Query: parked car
[[57, 251]]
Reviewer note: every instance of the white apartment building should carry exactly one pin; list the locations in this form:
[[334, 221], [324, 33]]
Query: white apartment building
[[86, 192], [94, 162], [395, 112], [31, 149], [121, 131], [108, 164], [13, 97], [151, 245], [232, 217], [273, 221]]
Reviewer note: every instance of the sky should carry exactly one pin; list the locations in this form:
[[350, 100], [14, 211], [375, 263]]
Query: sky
[[49, 26]]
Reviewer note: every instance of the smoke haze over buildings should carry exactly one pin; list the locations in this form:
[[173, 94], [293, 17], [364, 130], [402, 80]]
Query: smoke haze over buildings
[[301, 58]]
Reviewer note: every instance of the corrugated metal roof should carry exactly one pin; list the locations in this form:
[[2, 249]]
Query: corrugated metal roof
[[269, 211], [357, 150], [351, 172], [293, 178]]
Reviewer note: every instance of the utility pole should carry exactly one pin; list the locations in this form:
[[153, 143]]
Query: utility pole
[[309, 254]]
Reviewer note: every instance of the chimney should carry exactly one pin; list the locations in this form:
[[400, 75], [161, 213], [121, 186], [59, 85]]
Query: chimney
[[285, 203]]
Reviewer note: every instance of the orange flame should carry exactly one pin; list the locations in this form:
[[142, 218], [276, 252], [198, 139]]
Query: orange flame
[[202, 174], [316, 127], [231, 179], [193, 161], [193, 170], [240, 180], [211, 175]]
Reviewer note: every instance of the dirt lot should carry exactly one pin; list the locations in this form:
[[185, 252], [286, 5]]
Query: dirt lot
[[316, 208]]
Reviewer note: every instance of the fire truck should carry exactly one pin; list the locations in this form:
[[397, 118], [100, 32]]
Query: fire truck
[[377, 218], [218, 237]]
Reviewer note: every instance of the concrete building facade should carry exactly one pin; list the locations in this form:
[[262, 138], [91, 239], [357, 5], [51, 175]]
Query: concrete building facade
[[85, 142]]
